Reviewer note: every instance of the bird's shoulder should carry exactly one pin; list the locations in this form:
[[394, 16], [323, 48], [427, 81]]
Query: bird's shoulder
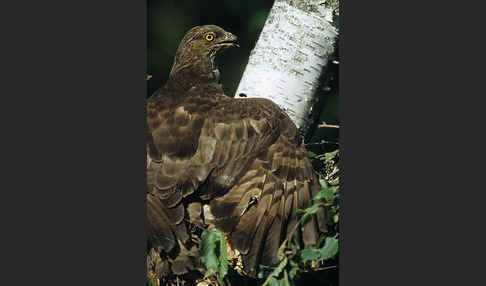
[[209, 102]]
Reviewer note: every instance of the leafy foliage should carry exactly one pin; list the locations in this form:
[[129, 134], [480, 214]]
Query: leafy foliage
[[213, 254], [295, 262], [329, 249]]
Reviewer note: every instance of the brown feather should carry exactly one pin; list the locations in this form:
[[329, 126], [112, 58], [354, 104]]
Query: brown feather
[[242, 157]]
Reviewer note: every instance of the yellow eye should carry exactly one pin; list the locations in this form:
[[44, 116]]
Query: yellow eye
[[209, 37]]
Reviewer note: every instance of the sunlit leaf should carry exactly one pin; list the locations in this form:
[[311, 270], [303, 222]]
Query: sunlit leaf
[[285, 280], [330, 156], [336, 218]]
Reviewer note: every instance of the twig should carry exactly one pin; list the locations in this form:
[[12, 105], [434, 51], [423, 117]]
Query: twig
[[325, 268], [325, 125], [322, 142]]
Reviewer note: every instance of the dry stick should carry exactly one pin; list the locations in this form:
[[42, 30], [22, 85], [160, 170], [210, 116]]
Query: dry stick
[[325, 125], [322, 142], [326, 268]]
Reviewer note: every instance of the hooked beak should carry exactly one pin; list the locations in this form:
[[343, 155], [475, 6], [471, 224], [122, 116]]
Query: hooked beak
[[230, 41]]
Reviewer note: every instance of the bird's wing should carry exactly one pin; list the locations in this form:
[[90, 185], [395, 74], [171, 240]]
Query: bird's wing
[[242, 155], [259, 211], [208, 139]]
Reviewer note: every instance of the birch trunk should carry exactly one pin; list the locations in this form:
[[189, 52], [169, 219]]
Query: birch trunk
[[290, 54]]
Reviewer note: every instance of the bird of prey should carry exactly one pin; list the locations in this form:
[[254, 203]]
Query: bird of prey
[[236, 164]]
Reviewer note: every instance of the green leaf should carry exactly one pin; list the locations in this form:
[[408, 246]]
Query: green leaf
[[311, 154], [312, 209], [323, 184], [208, 251], [308, 212], [223, 259], [273, 282], [319, 195], [330, 248], [260, 275], [215, 261], [275, 273], [309, 254], [329, 194], [299, 212], [294, 269], [281, 249], [336, 218], [285, 280], [329, 156]]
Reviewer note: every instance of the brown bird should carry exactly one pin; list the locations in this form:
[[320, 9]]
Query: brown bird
[[212, 160]]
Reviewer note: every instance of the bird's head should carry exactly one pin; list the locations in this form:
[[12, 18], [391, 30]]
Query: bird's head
[[195, 57]]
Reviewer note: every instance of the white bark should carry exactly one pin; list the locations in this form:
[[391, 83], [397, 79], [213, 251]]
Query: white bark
[[289, 56]]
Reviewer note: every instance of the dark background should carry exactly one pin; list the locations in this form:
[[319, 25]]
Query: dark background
[[168, 21]]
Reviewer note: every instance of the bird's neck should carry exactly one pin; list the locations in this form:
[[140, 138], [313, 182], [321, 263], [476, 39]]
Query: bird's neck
[[192, 72]]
